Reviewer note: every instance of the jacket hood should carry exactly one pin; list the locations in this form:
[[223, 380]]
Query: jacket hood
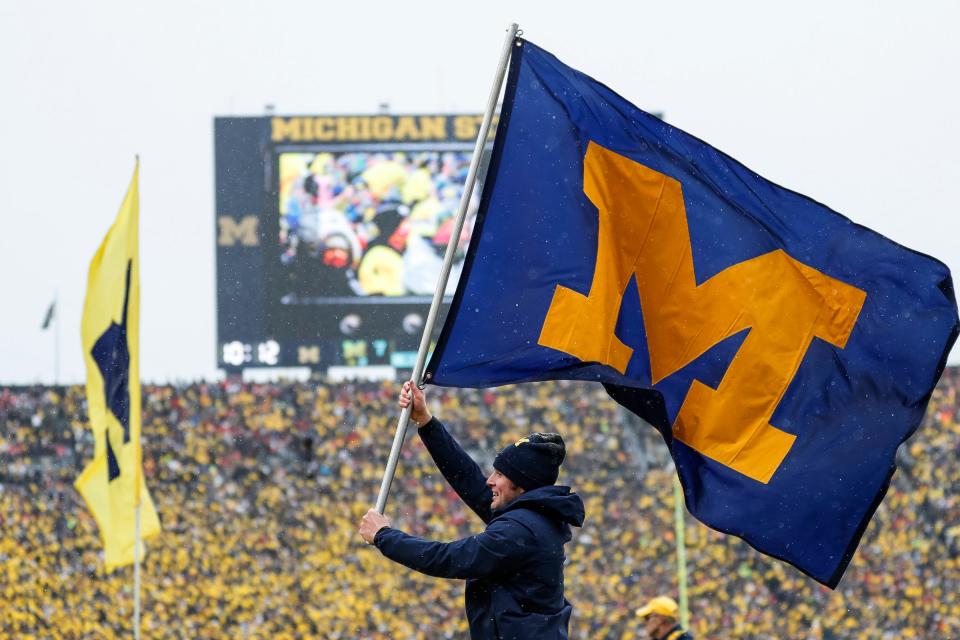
[[555, 502]]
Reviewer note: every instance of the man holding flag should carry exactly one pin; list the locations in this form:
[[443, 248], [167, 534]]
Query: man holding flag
[[514, 569], [783, 352]]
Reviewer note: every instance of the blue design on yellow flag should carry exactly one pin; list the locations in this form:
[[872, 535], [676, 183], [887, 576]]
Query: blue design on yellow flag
[[112, 483], [783, 351]]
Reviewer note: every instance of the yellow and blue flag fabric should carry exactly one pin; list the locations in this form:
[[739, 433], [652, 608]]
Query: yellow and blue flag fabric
[[111, 483], [783, 351]]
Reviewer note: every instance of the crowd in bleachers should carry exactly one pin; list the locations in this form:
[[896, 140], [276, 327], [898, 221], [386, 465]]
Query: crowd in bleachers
[[260, 490]]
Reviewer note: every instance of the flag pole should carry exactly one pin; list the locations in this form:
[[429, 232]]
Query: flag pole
[[56, 338], [447, 263], [680, 528], [136, 570], [137, 480]]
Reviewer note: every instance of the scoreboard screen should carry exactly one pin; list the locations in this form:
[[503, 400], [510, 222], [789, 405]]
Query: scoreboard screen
[[331, 232]]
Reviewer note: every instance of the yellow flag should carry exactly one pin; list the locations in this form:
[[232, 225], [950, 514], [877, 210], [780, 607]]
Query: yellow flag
[[112, 484]]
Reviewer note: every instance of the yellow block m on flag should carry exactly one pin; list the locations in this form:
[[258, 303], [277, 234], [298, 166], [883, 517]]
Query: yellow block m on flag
[[112, 484]]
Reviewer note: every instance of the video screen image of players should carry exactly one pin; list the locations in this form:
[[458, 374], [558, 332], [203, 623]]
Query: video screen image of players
[[359, 224]]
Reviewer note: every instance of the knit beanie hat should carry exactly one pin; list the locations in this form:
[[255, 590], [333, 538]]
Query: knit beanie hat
[[533, 461]]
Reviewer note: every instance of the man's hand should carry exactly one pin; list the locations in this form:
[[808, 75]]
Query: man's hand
[[410, 393], [371, 523]]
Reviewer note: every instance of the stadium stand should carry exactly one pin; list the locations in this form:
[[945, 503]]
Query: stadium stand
[[260, 489]]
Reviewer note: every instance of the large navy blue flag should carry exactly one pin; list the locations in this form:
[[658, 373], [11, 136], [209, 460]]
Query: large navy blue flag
[[783, 351]]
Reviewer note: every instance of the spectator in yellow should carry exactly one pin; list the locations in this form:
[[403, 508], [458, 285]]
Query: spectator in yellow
[[660, 619]]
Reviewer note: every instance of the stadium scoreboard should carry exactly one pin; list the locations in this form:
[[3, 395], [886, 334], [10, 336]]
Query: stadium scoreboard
[[330, 234]]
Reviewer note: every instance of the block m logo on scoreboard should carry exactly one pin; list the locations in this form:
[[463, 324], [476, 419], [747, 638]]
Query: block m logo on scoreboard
[[231, 231], [784, 303]]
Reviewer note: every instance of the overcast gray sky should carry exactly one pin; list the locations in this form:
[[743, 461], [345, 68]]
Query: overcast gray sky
[[855, 104]]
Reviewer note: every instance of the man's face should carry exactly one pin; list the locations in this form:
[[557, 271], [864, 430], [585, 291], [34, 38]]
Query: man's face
[[656, 625], [504, 491]]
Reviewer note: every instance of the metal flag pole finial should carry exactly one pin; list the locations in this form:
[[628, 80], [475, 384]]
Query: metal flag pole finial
[[447, 263]]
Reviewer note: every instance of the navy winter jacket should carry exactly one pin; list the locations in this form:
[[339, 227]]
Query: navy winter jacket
[[514, 569]]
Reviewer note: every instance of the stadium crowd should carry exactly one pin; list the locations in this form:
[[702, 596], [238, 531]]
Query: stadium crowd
[[260, 489]]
